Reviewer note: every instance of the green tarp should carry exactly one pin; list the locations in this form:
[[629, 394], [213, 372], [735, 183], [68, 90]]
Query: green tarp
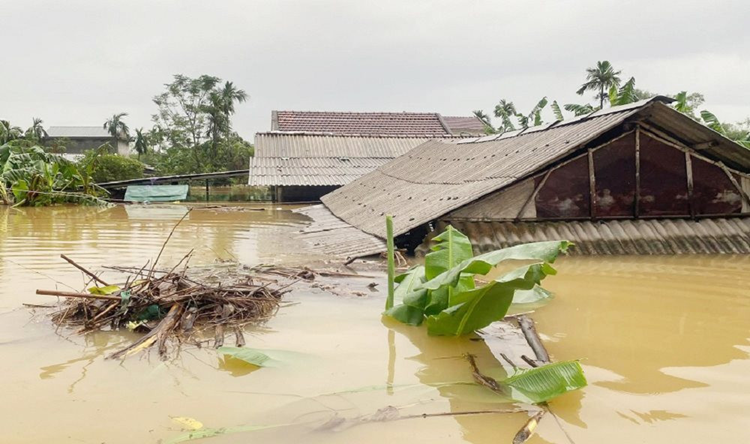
[[156, 193]]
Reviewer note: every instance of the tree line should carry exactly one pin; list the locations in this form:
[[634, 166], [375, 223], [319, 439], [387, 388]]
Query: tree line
[[606, 84], [192, 129]]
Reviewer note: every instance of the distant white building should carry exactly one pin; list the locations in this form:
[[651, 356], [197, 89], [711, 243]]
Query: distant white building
[[79, 139]]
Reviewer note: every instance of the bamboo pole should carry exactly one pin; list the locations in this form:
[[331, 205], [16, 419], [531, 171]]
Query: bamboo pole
[[70, 294], [391, 263]]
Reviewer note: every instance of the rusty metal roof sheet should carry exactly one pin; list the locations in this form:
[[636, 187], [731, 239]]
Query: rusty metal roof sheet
[[330, 235], [618, 237], [304, 159], [438, 177]]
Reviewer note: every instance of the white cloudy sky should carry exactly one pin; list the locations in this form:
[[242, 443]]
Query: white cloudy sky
[[75, 62]]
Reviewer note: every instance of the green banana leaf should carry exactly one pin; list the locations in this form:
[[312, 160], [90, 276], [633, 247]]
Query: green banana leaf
[[544, 383], [536, 251], [477, 308], [452, 248]]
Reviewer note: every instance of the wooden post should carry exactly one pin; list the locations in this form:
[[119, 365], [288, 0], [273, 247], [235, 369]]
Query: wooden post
[[689, 171], [533, 194], [637, 197], [592, 185], [207, 192], [729, 174]]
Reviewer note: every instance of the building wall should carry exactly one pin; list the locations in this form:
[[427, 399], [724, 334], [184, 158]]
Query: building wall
[[81, 145]]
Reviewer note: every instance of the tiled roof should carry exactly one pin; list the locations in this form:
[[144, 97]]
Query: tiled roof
[[78, 132], [348, 123], [459, 124]]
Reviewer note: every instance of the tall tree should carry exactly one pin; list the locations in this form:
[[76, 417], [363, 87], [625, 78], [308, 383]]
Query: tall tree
[[505, 110], [116, 127], [9, 132], [600, 78], [141, 142], [36, 131], [182, 109]]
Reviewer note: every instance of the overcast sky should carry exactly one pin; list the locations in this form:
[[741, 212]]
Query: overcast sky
[[76, 62]]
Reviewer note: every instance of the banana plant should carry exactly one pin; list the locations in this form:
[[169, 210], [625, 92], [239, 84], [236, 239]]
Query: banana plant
[[443, 294]]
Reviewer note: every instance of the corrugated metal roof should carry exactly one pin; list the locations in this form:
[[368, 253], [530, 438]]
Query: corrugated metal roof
[[78, 132], [438, 177], [345, 123], [304, 159], [617, 237], [330, 235], [309, 171], [281, 144]]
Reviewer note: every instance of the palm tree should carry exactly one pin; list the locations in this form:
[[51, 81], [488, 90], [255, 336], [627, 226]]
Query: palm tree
[[488, 128], [600, 78], [9, 132], [117, 128], [505, 110], [228, 96], [141, 144], [36, 132]]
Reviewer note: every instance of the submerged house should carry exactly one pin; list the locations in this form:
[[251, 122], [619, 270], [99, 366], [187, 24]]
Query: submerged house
[[309, 154], [634, 179], [79, 139]]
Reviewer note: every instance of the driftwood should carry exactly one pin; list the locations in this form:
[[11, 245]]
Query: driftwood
[[532, 337]]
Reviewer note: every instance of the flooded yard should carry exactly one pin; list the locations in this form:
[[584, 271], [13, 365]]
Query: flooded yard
[[663, 341]]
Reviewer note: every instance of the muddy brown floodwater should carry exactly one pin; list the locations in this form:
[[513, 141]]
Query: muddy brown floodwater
[[664, 343]]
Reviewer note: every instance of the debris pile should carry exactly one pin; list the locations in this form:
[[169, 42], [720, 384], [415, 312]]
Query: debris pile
[[169, 304]]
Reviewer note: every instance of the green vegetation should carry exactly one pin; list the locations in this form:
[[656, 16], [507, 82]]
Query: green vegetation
[[111, 167], [605, 81], [38, 178], [443, 294], [193, 127]]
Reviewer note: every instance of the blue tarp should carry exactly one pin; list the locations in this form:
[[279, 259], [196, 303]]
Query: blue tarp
[[156, 193]]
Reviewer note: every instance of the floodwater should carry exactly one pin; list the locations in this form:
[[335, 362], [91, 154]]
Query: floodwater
[[663, 341]]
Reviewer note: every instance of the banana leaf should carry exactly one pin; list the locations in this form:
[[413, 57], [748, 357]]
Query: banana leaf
[[261, 358], [477, 308], [545, 252], [452, 248], [544, 383]]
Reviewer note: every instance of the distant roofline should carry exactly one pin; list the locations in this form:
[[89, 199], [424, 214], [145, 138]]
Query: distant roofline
[[368, 136]]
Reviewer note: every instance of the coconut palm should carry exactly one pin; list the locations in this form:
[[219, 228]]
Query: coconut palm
[[117, 127], [600, 79], [505, 110], [36, 132], [141, 144], [9, 132]]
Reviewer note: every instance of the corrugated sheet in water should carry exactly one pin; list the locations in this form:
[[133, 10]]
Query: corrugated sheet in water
[[619, 237], [330, 235]]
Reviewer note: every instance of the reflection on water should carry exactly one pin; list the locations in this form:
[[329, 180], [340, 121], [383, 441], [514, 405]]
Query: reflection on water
[[664, 343]]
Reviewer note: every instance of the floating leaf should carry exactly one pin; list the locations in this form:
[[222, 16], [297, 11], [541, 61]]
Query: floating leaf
[[261, 358], [541, 384], [109, 289], [209, 433], [188, 423], [536, 294]]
